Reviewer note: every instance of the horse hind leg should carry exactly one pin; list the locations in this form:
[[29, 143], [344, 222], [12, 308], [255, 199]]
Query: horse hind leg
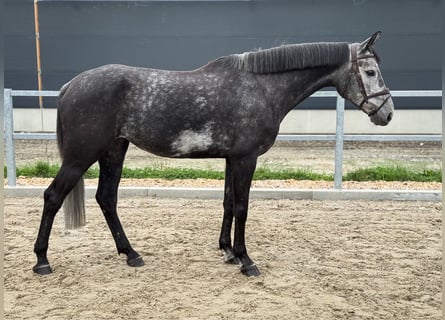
[[110, 173], [63, 183]]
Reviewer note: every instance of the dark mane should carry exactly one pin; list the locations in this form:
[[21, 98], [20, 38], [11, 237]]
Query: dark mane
[[291, 57]]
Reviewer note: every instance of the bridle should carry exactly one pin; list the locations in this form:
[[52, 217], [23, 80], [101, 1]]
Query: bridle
[[356, 71]]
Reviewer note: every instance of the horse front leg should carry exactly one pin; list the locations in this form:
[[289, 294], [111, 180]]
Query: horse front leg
[[225, 241], [242, 173]]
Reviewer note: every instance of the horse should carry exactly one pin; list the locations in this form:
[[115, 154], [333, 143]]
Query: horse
[[230, 108]]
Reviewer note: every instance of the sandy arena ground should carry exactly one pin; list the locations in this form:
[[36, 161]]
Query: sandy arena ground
[[319, 260]]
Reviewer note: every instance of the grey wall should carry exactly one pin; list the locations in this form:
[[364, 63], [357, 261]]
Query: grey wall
[[78, 35]]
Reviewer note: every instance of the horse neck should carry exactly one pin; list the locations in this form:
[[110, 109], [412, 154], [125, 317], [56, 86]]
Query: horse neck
[[288, 89]]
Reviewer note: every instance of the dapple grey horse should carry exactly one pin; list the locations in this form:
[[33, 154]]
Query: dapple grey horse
[[231, 108]]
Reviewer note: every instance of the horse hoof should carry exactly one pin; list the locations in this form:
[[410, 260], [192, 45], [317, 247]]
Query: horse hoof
[[135, 262], [230, 258], [250, 271], [42, 269]]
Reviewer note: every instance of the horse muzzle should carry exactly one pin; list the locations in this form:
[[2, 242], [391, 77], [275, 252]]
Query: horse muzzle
[[384, 113]]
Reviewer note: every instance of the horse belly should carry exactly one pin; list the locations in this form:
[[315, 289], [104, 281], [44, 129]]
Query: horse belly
[[175, 141]]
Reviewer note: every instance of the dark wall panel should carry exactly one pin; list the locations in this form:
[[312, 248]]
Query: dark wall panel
[[181, 35]]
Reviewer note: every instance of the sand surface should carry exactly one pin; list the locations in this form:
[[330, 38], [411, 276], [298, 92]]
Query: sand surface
[[319, 260]]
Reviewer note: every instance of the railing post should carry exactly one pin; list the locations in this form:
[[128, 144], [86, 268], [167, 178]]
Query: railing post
[[339, 130], [9, 140]]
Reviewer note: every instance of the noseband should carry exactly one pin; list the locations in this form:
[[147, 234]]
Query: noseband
[[356, 71]]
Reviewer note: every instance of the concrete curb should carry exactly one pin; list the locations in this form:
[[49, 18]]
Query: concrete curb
[[256, 193]]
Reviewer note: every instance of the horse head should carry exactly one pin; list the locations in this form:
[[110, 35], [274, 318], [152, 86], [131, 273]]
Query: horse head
[[365, 86]]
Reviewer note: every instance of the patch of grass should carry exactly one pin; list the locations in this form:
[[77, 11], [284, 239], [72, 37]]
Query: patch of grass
[[41, 170], [386, 173], [171, 173], [394, 173], [268, 174]]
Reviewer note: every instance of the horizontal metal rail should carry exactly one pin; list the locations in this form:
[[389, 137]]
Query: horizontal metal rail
[[285, 137], [34, 136], [360, 137], [34, 93], [319, 94], [339, 136]]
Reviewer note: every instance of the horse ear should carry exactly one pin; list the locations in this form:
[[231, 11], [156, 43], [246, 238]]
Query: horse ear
[[369, 43]]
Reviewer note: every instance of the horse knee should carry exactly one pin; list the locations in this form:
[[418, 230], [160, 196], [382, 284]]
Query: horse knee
[[240, 212], [228, 205]]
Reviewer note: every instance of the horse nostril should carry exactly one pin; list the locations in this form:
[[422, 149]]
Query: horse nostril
[[389, 117]]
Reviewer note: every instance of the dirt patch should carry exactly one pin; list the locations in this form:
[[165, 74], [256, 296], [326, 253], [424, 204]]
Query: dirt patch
[[319, 260]]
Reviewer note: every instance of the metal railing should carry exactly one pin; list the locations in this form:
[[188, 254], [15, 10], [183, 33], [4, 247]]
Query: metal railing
[[339, 136]]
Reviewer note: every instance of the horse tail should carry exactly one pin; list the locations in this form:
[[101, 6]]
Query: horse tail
[[74, 204]]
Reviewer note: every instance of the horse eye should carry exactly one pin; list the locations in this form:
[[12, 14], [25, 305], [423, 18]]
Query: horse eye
[[370, 73]]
